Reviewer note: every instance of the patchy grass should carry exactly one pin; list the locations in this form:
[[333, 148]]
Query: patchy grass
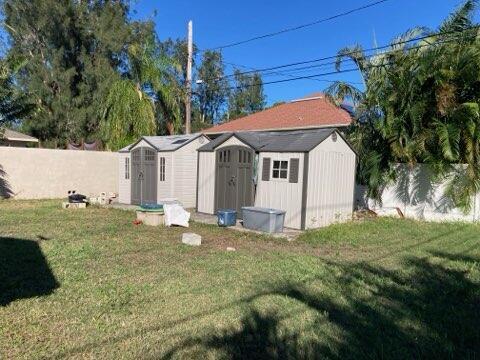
[[89, 284]]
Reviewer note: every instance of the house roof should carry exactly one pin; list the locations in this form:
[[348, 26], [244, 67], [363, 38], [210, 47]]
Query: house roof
[[313, 111], [12, 135], [270, 141], [165, 143]]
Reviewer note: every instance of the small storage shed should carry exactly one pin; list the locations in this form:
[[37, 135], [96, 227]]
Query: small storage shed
[[310, 174], [157, 168]]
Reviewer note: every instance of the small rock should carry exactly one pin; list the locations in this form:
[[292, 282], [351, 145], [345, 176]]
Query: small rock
[[191, 239], [231, 249]]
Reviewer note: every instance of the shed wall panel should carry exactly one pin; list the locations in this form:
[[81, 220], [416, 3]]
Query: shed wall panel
[[184, 181], [124, 185], [280, 193], [206, 182], [331, 183], [165, 188]]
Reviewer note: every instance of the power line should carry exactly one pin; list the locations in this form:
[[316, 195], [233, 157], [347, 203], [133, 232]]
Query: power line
[[419, 38], [295, 28], [305, 77], [342, 71], [287, 75], [305, 68], [297, 78]]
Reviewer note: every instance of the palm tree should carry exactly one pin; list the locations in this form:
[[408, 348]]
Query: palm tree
[[420, 105], [129, 113], [132, 106]]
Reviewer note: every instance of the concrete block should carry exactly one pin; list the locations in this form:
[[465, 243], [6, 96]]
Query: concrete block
[[151, 218], [191, 239], [67, 205]]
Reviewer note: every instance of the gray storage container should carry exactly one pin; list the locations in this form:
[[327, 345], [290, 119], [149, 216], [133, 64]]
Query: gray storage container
[[263, 219]]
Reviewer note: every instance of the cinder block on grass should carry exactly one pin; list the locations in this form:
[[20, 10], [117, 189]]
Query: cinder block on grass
[[191, 239]]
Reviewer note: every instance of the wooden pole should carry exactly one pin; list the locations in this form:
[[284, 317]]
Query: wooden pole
[[188, 103]]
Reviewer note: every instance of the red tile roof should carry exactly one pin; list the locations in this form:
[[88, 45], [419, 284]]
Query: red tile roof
[[313, 111]]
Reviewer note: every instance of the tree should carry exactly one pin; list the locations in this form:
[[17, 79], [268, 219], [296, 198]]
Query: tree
[[129, 114], [247, 96], [177, 51], [171, 112], [212, 93], [421, 105], [132, 103], [14, 105], [75, 51]]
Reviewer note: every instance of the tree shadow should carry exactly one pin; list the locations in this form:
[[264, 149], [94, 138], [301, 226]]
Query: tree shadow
[[24, 271], [417, 187], [429, 309], [6, 191], [259, 337]]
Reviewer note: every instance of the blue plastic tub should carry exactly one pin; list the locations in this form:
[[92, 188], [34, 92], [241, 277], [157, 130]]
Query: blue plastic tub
[[227, 217], [151, 207]]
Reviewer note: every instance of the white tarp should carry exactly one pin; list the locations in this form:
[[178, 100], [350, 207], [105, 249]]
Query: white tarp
[[176, 215]]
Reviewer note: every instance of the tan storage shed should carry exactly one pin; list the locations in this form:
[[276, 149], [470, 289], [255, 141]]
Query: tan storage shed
[[310, 174], [157, 168]]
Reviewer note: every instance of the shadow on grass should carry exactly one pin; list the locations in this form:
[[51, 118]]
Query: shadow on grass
[[431, 309], [24, 271]]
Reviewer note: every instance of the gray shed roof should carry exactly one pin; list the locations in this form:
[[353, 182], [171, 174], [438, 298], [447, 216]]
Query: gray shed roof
[[271, 141], [165, 143], [17, 136]]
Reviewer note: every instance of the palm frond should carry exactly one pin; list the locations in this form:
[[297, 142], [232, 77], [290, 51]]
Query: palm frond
[[461, 19], [404, 41], [449, 140], [354, 53], [339, 91], [128, 114]]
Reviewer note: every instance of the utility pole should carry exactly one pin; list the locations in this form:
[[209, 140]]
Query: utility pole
[[188, 102]]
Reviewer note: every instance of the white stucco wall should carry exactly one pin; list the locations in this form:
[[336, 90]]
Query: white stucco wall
[[44, 173], [418, 198]]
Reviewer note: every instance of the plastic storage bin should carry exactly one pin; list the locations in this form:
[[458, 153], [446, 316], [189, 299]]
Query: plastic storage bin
[[263, 219], [151, 207], [227, 217]]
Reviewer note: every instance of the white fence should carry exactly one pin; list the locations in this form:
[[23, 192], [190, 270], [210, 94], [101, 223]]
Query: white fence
[[27, 173], [417, 197]]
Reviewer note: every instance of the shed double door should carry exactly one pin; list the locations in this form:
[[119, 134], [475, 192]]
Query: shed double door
[[144, 176], [234, 178]]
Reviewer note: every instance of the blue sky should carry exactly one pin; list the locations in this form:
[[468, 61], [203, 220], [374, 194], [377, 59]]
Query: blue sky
[[217, 22]]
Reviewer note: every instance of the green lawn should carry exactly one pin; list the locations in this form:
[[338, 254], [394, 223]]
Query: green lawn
[[90, 284]]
